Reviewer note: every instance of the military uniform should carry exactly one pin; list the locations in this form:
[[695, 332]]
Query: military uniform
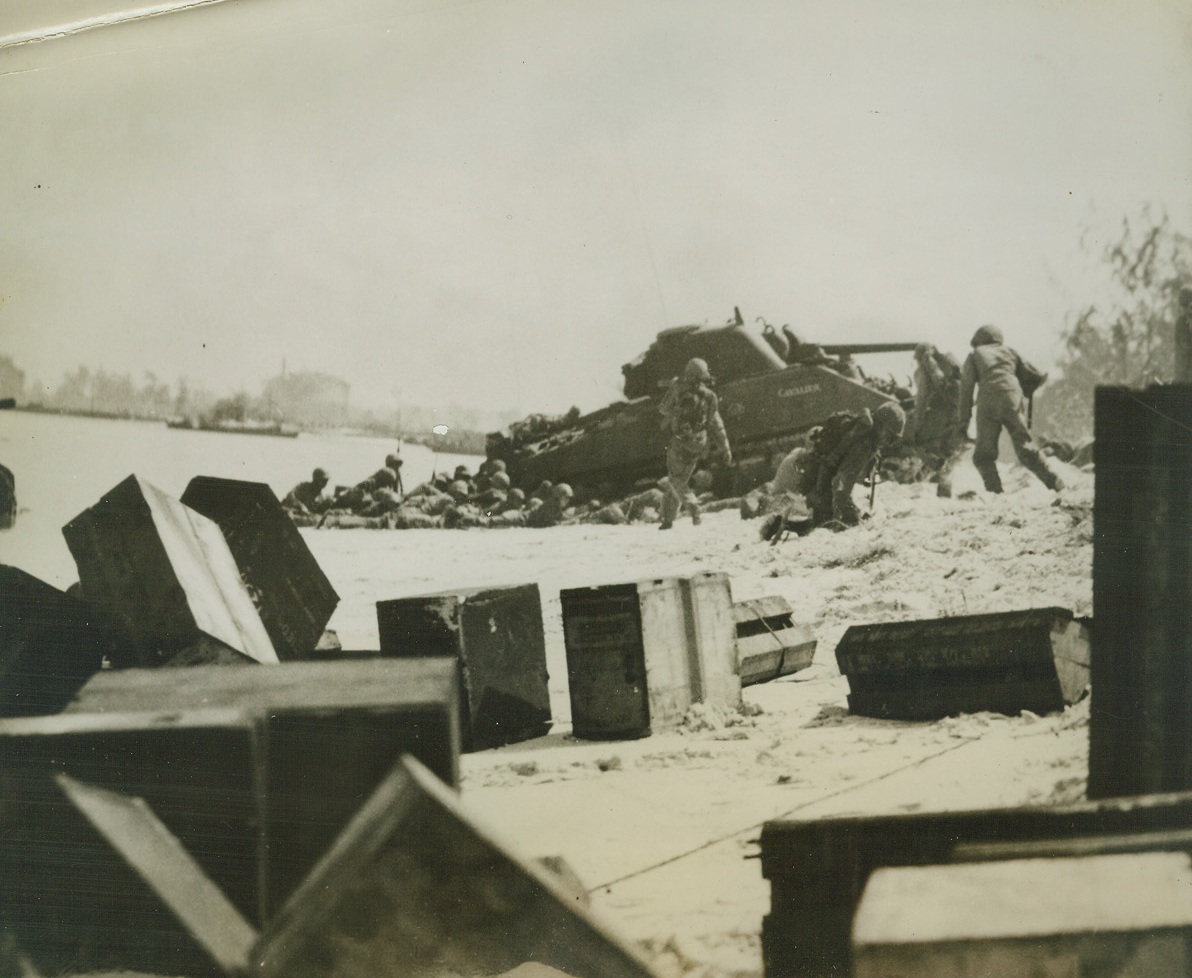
[[307, 497], [993, 368], [844, 452], [691, 415]]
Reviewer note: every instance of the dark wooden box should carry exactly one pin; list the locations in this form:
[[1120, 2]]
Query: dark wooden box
[[290, 590], [166, 575], [1036, 660], [496, 636]]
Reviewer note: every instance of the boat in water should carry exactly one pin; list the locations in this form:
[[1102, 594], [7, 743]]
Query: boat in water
[[232, 427]]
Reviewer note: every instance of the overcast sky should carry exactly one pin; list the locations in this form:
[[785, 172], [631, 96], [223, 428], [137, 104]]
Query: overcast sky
[[499, 202]]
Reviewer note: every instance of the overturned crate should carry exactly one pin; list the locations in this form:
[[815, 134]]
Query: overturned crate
[[769, 642], [292, 594], [166, 575], [297, 748], [416, 887], [640, 655], [94, 881], [50, 644], [818, 869], [1086, 915], [496, 636], [1005, 662]]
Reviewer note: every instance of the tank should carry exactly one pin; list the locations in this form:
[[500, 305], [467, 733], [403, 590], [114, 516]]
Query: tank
[[772, 389]]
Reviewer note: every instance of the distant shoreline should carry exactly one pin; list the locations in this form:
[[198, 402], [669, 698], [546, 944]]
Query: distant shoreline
[[455, 441]]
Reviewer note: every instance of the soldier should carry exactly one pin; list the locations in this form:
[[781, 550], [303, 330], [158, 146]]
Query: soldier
[[845, 449], [691, 416], [553, 510], [997, 371], [393, 461], [937, 393], [307, 497], [360, 495]]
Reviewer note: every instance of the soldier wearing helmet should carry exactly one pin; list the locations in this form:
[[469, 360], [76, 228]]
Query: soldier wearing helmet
[[307, 497], [393, 462], [997, 372], [843, 451], [691, 417], [553, 509]]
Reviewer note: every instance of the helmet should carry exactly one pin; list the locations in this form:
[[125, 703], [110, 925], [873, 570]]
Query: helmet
[[461, 472], [320, 475], [459, 489], [889, 417], [985, 335], [562, 491], [697, 369], [499, 480], [517, 495], [386, 477], [496, 465], [393, 461]]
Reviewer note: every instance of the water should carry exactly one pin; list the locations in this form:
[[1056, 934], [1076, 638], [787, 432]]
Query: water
[[63, 465]]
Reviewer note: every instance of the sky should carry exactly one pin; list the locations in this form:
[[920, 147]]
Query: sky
[[497, 203]]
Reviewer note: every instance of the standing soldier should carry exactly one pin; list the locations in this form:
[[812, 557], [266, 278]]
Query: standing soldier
[[937, 393], [997, 372], [691, 416]]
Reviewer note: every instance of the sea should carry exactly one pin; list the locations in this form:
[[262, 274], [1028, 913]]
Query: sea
[[63, 465]]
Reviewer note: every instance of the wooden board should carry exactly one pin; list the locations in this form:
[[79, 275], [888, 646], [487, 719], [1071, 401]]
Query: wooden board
[[818, 869], [415, 887], [166, 575], [1027, 916], [1140, 719]]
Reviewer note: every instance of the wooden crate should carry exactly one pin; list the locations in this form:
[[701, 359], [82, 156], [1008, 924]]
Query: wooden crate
[[417, 887], [1037, 660], [640, 655], [50, 644], [769, 642], [292, 594], [496, 636], [818, 869], [166, 575]]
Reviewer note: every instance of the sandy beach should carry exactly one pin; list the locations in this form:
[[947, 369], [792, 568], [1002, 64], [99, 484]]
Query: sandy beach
[[662, 831]]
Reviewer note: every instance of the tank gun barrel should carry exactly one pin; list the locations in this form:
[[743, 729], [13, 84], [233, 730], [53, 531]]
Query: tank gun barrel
[[849, 349]]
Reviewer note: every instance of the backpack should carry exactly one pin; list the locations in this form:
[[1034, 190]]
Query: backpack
[[1030, 377], [827, 446]]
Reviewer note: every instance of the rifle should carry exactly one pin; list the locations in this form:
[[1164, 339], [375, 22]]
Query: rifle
[[1030, 410], [877, 457]]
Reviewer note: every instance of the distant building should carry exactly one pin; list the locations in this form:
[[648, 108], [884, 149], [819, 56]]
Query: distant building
[[308, 398]]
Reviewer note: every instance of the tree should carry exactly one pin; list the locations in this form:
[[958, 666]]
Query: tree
[[1128, 340]]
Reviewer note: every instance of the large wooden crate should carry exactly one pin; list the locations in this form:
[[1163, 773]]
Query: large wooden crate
[[50, 644], [416, 887], [166, 575], [1089, 915], [640, 655], [199, 771], [1140, 723], [1037, 660], [818, 869], [292, 594], [496, 636], [770, 644]]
